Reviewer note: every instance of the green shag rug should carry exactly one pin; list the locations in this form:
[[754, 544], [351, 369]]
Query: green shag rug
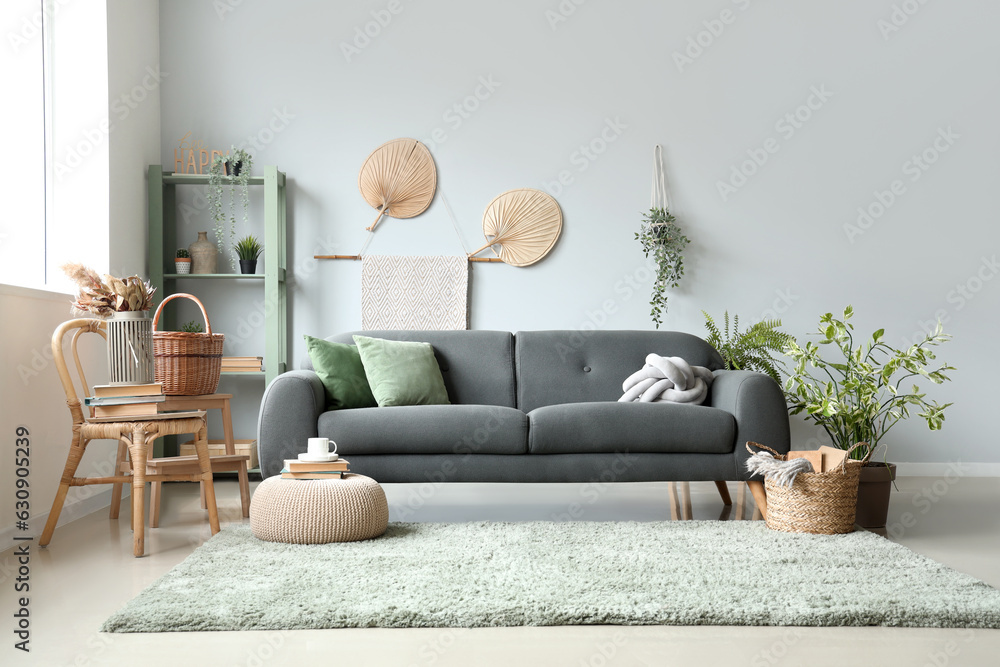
[[568, 573]]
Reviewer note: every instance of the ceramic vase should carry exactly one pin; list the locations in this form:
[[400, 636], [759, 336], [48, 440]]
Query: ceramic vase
[[204, 255]]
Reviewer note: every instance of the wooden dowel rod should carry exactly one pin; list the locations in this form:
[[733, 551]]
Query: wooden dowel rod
[[355, 257]]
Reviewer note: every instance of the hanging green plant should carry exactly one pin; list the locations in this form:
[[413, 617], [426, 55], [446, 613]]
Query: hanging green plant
[[661, 237], [234, 169]]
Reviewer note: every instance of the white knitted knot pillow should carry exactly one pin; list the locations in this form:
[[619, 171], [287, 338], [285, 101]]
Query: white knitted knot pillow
[[667, 379]]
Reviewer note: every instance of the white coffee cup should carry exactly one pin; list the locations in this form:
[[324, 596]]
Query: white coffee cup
[[320, 447]]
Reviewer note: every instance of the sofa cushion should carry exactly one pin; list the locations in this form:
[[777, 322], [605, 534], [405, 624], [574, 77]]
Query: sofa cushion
[[340, 370], [555, 367], [477, 366], [584, 428], [427, 429], [402, 373]]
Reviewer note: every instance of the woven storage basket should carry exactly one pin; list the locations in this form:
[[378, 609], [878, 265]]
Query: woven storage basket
[[822, 503], [187, 364]]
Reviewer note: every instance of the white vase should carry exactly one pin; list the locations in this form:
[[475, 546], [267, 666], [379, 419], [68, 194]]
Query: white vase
[[130, 348], [182, 267]]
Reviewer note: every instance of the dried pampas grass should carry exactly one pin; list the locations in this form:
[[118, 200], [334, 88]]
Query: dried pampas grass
[[104, 297]]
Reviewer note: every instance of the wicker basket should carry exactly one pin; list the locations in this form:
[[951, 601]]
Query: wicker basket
[[822, 503], [187, 364]]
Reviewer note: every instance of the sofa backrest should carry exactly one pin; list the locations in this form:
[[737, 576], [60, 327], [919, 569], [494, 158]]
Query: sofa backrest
[[555, 367], [477, 366]]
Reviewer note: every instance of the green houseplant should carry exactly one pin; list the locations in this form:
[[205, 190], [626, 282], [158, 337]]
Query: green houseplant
[[750, 350], [248, 249], [233, 169], [192, 327], [857, 394], [661, 237], [182, 261]]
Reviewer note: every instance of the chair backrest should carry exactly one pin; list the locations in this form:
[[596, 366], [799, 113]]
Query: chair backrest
[[75, 328]]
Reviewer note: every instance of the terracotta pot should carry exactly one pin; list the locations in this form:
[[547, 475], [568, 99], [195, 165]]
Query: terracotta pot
[[874, 490]]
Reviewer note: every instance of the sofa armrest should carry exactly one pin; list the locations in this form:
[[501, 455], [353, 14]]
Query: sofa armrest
[[758, 404], [289, 412]]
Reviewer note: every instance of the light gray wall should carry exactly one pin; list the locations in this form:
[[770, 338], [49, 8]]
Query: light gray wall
[[776, 246], [134, 78]]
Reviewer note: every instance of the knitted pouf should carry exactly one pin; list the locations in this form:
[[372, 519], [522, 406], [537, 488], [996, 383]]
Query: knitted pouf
[[310, 511]]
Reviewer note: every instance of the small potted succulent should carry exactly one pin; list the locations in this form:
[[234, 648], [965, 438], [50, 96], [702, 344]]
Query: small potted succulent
[[248, 249], [182, 261]]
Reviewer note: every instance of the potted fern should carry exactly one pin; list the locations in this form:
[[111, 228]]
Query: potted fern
[[750, 350], [661, 237], [232, 169], [856, 395]]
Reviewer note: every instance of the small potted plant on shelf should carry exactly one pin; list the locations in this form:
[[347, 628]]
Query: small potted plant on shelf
[[858, 397], [660, 235], [182, 261], [248, 249], [234, 168], [750, 350]]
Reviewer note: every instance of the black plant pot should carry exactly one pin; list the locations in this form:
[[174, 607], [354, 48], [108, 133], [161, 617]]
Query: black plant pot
[[233, 169], [248, 266]]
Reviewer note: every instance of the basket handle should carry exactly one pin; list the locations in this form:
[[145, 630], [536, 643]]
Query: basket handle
[[864, 461], [156, 317], [780, 457]]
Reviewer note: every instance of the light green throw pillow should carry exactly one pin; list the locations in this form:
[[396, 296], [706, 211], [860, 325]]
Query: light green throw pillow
[[402, 373], [340, 370]]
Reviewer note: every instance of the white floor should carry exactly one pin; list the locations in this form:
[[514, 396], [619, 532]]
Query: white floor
[[88, 572]]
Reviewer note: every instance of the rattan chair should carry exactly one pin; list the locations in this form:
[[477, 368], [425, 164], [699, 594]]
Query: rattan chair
[[136, 434]]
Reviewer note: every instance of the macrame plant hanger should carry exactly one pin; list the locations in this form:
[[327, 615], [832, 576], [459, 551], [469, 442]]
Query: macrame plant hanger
[[658, 197]]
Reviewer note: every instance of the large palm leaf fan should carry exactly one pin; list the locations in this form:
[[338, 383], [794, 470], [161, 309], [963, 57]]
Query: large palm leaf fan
[[521, 226], [398, 179]]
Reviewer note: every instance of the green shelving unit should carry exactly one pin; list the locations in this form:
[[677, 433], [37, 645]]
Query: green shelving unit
[[163, 242]]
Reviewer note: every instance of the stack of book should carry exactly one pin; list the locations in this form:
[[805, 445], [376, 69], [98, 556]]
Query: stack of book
[[296, 469], [126, 400], [242, 364]]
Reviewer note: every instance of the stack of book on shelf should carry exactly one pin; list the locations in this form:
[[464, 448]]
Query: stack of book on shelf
[[242, 364], [126, 400], [295, 469]]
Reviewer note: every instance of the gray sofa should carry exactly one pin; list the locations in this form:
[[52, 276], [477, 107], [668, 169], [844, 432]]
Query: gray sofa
[[535, 406]]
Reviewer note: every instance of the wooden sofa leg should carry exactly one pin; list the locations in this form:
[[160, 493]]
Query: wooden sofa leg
[[757, 489], [724, 492]]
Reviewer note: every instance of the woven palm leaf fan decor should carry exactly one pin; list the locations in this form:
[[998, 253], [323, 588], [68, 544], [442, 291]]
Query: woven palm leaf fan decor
[[398, 179], [521, 226]]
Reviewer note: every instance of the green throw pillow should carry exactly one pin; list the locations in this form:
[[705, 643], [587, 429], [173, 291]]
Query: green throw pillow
[[402, 373], [342, 374]]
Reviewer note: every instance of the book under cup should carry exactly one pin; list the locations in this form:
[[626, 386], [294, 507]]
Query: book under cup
[[332, 474], [294, 465]]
